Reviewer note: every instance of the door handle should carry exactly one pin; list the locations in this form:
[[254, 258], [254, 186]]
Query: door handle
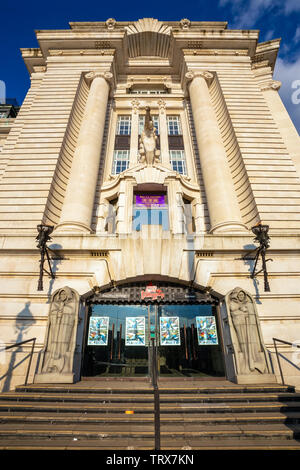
[[185, 342], [119, 346], [112, 341]]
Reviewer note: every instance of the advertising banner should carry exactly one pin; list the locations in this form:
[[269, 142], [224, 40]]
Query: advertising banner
[[169, 331], [98, 331], [135, 331], [206, 330]]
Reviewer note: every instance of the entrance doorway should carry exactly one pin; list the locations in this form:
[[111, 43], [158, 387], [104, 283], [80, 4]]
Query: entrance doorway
[[118, 339]]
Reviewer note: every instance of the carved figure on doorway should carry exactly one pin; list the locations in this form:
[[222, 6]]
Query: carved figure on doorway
[[62, 319], [250, 353], [149, 154]]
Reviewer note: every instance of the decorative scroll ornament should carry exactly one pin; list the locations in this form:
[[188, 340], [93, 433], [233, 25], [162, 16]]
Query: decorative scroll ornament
[[90, 76], [148, 141], [191, 74], [272, 85], [185, 24], [110, 24]]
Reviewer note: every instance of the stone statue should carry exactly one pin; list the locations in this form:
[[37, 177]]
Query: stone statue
[[148, 141], [251, 356], [57, 357]]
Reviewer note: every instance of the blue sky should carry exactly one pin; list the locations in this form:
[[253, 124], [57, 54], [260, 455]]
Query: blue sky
[[274, 19]]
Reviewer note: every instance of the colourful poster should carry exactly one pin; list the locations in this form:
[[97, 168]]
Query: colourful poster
[[135, 331], [169, 331], [207, 330], [98, 331]]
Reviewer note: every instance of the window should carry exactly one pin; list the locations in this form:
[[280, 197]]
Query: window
[[124, 125], [142, 123], [150, 209], [177, 160], [120, 161], [174, 127]]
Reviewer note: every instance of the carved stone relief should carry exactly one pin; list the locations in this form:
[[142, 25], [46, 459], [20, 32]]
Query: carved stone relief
[[57, 357], [250, 355]]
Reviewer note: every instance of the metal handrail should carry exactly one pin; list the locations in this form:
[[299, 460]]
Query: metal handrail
[[31, 353], [277, 355]]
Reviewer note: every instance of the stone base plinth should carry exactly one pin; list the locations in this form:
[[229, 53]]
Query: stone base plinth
[[54, 378], [256, 379]]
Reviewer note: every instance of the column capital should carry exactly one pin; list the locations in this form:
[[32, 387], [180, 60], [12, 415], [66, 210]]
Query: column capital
[[191, 74], [162, 106], [135, 105], [90, 76], [271, 85]]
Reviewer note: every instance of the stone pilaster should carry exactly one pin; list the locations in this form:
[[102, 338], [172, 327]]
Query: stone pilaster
[[222, 202], [163, 134], [134, 137], [78, 204]]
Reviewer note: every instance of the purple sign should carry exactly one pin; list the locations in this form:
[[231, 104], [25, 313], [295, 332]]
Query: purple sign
[[150, 200]]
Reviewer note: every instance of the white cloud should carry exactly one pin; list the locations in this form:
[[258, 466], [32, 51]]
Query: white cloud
[[289, 74], [297, 34], [246, 13]]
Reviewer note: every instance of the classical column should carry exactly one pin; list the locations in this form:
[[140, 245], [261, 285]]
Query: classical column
[[163, 134], [284, 123], [134, 136], [222, 202], [78, 203]]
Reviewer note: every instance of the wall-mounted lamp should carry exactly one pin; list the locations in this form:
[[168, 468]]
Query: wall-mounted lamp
[[261, 236], [44, 232]]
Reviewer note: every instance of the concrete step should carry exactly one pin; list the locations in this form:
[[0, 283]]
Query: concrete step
[[141, 419], [46, 431], [148, 398], [142, 388], [126, 444], [179, 408]]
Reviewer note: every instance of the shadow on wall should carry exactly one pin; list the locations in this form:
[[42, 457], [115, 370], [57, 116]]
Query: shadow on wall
[[24, 322], [56, 260], [250, 264]]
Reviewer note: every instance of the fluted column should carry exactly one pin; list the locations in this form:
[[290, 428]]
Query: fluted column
[[222, 202], [78, 203]]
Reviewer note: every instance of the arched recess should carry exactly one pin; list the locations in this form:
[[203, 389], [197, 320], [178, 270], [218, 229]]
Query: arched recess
[[140, 308]]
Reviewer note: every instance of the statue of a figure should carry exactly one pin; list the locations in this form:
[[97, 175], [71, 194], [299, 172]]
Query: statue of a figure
[[148, 141], [58, 354], [250, 353]]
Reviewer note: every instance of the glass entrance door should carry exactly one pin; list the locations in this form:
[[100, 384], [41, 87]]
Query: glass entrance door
[[118, 341]]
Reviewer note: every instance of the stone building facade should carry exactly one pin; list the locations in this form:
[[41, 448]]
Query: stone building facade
[[150, 247]]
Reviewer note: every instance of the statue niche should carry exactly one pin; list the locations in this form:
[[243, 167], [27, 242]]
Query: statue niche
[[149, 154], [251, 357], [57, 357]]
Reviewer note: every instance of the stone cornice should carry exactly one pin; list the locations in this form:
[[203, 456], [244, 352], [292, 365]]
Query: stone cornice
[[272, 85]]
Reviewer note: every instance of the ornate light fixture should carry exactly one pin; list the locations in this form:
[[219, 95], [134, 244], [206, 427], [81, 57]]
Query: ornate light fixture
[[261, 236], [43, 237]]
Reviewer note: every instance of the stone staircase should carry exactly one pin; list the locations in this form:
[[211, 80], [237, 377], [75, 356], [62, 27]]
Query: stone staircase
[[194, 415]]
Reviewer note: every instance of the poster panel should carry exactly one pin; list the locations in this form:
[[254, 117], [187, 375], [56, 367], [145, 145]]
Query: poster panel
[[206, 330], [135, 331], [169, 331], [98, 331]]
